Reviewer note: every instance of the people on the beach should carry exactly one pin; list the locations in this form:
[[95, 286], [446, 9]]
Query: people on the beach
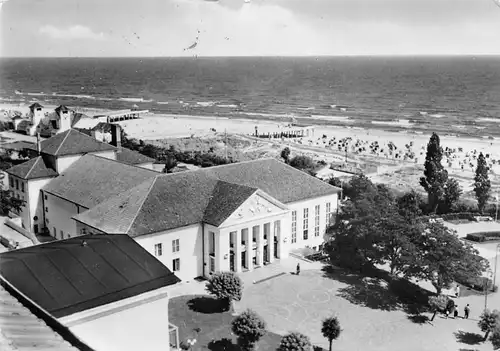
[[298, 269]]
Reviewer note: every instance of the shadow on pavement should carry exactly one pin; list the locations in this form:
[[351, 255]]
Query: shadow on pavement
[[468, 338], [205, 304]]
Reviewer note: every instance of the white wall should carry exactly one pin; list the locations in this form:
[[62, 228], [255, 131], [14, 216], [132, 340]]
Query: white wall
[[36, 203], [190, 249], [147, 165], [24, 214], [59, 216], [312, 241], [63, 162], [143, 327]]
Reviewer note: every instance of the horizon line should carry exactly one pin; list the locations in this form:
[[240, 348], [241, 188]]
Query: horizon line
[[256, 56]]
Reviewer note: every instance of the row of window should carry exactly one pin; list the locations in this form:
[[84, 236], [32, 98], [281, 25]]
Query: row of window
[[15, 184], [305, 233], [159, 247]]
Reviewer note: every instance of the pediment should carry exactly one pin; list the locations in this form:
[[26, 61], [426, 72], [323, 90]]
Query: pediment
[[254, 207]]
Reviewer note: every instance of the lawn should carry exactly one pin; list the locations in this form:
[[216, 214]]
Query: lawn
[[195, 311]]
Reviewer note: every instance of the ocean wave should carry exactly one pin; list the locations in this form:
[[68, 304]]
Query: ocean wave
[[401, 123], [437, 115], [267, 114], [134, 99], [162, 102], [228, 106], [306, 108], [496, 120], [334, 118], [206, 103]]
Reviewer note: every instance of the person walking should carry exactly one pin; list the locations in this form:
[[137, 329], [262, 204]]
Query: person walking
[[455, 313], [457, 291], [452, 311], [466, 312], [298, 269]]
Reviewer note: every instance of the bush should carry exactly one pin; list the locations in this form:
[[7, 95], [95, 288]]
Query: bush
[[478, 283], [295, 342], [483, 236], [249, 327], [225, 286]]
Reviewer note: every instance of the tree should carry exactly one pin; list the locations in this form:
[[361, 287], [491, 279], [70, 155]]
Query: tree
[[437, 303], [9, 203], [452, 193], [302, 162], [295, 342], [442, 258], [495, 337], [285, 154], [225, 286], [488, 321], [482, 184], [409, 206], [331, 329], [435, 176], [249, 327]]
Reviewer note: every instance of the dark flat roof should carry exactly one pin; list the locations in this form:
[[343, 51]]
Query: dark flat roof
[[74, 275]]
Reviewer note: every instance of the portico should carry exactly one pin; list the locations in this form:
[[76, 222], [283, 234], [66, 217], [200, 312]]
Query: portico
[[241, 243]]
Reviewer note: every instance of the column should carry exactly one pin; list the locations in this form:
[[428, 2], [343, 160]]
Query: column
[[249, 245], [206, 264], [222, 251], [260, 245], [270, 242], [237, 251]]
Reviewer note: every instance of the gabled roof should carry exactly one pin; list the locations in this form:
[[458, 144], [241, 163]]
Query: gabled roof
[[72, 142], [281, 181], [35, 105], [167, 202], [74, 275], [22, 330], [132, 157], [61, 108], [92, 179], [32, 169], [102, 126]]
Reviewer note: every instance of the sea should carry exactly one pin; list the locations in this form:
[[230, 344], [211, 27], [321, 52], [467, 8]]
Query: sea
[[424, 92]]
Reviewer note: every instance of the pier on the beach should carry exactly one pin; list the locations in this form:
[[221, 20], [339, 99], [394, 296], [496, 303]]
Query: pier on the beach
[[292, 132], [122, 115]]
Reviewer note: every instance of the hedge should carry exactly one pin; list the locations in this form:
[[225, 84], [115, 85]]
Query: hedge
[[478, 283], [483, 236]]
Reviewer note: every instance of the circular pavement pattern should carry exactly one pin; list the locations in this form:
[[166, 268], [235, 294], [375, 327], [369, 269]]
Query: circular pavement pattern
[[314, 296]]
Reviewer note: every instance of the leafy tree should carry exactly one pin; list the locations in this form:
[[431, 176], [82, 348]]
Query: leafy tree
[[482, 184], [409, 206], [8, 202], [495, 337], [170, 163], [249, 327], [441, 258], [302, 162], [295, 342], [335, 181], [489, 321], [285, 154], [225, 286], [435, 176], [331, 329], [437, 303], [452, 193]]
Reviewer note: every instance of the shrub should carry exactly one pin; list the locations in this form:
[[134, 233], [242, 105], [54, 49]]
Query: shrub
[[478, 283], [331, 329], [225, 286], [249, 327], [483, 236], [488, 322], [477, 237], [295, 342]]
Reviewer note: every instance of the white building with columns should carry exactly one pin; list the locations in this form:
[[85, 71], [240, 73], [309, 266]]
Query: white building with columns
[[234, 217]]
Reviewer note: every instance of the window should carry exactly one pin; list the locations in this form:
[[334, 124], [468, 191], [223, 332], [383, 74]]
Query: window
[[45, 196], [11, 182], [316, 220], [83, 231], [328, 213], [306, 223], [54, 230], [158, 250], [294, 227], [175, 245], [176, 264], [22, 187], [35, 228], [277, 229], [17, 184], [62, 234], [46, 209]]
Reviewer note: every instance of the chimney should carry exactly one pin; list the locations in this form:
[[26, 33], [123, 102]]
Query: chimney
[[116, 136], [38, 144]]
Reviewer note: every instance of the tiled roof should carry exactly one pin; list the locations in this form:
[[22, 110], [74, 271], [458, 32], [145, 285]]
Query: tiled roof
[[132, 157], [102, 126], [20, 329], [72, 142], [283, 182], [93, 179], [167, 202], [74, 275], [61, 108], [32, 169]]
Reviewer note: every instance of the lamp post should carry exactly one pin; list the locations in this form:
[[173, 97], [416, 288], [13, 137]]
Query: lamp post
[[496, 261], [489, 272], [496, 207]]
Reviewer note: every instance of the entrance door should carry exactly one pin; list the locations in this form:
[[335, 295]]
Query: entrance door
[[231, 262], [35, 228], [266, 259], [275, 247], [244, 259]]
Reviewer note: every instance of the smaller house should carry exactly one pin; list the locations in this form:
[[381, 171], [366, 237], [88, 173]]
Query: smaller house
[[93, 283]]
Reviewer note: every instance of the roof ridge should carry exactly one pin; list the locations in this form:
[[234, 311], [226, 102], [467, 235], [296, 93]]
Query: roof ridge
[[32, 166], [142, 203], [62, 142], [125, 163]]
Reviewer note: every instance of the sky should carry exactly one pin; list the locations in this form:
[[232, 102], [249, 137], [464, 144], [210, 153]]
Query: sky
[[95, 28]]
